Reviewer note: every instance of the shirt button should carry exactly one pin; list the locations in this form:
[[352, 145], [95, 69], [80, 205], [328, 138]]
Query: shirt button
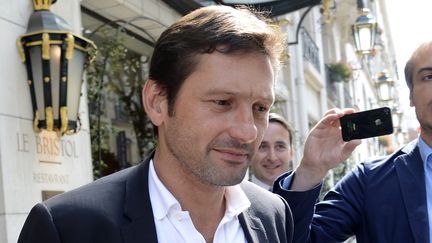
[[178, 216]]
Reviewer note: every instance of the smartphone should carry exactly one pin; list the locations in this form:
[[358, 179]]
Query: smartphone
[[366, 124]]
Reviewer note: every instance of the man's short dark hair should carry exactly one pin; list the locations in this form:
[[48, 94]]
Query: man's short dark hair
[[214, 28], [409, 66], [276, 118]]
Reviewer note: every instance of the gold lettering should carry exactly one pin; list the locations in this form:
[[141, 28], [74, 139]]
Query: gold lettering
[[68, 148], [38, 145], [22, 142], [45, 146], [45, 178], [55, 146]]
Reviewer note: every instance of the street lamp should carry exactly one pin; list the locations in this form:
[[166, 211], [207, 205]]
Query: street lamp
[[54, 58], [364, 30], [397, 118], [385, 86]]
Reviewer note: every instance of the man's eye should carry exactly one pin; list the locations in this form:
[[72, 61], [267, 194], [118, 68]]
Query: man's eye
[[221, 102], [427, 77], [280, 147], [261, 108], [263, 147]]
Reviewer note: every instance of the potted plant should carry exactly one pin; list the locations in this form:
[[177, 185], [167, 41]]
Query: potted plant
[[339, 72]]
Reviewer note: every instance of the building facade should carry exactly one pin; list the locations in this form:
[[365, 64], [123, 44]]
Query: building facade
[[35, 166]]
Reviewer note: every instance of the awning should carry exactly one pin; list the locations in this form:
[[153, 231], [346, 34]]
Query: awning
[[275, 8]]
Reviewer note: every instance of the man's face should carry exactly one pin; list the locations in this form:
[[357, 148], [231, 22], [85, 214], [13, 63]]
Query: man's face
[[421, 96], [274, 154], [220, 115]]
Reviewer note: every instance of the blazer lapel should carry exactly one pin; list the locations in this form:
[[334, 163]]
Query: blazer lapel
[[411, 178], [138, 207], [252, 227]]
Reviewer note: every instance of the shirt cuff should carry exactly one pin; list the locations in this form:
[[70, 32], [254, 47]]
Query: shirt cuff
[[286, 180]]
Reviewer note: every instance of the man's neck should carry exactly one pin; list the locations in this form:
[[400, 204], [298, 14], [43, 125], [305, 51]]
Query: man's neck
[[426, 135], [205, 203], [260, 183]]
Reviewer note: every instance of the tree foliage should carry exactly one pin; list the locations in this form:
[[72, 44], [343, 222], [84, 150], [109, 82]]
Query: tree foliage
[[119, 71], [339, 72]]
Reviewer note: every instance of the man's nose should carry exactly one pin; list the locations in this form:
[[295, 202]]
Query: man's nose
[[271, 154], [244, 128]]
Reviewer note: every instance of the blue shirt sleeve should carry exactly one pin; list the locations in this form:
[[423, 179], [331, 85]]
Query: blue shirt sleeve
[[285, 183]]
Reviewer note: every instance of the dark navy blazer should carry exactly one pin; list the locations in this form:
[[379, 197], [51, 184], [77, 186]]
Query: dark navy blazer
[[379, 201]]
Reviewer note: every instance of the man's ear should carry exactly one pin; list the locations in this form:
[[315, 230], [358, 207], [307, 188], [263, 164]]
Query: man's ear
[[153, 100], [411, 98]]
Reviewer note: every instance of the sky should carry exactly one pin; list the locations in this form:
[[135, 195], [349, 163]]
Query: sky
[[410, 25]]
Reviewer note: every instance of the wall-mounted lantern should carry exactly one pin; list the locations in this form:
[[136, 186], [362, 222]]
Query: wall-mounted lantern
[[397, 118], [55, 60], [364, 30], [385, 86]]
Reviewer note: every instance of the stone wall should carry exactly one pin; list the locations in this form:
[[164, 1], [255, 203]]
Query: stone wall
[[33, 166]]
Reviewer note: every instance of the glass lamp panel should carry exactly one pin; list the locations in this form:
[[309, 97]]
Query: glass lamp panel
[[365, 37], [55, 52], [36, 65], [356, 37], [390, 89], [384, 90], [75, 70], [396, 120]]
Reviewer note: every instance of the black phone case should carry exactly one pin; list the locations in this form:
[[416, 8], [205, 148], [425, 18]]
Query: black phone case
[[366, 124]]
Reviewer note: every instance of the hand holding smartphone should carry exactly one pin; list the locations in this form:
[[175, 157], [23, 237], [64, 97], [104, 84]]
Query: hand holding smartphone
[[366, 124]]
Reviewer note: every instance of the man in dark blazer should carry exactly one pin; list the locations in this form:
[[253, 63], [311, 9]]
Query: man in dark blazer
[[210, 89], [388, 199], [117, 208]]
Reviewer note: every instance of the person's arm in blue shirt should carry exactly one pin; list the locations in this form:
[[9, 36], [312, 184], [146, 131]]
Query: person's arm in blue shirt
[[323, 150]]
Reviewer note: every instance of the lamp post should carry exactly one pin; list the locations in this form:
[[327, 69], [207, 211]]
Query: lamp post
[[397, 115], [364, 30], [397, 118], [385, 86], [54, 58]]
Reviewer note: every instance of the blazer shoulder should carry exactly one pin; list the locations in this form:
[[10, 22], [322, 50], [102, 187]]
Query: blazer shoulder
[[39, 226], [263, 200], [380, 163], [103, 197], [270, 209], [98, 210]]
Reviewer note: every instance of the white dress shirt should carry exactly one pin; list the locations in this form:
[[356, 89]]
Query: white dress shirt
[[260, 183], [175, 225]]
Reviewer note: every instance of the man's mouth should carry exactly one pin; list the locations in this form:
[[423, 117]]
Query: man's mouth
[[231, 155]]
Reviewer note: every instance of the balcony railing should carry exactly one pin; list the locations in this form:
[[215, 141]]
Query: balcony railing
[[121, 114], [310, 50]]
